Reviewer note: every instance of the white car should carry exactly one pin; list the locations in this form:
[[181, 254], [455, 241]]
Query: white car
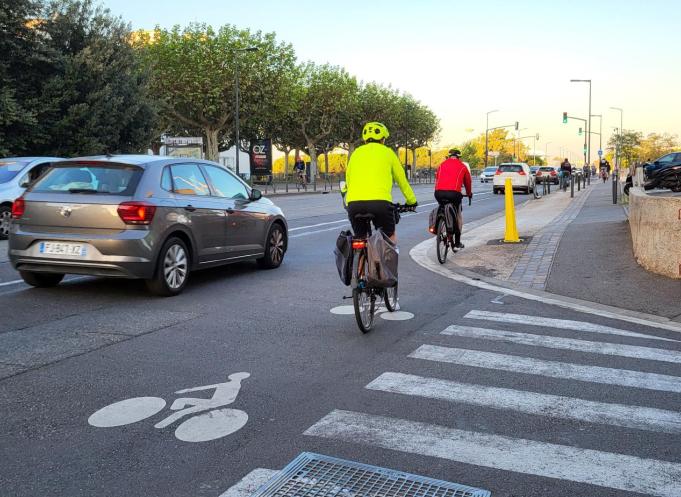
[[15, 175], [521, 177], [487, 174]]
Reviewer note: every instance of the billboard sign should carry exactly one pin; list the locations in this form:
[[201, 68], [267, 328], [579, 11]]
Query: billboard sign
[[261, 157]]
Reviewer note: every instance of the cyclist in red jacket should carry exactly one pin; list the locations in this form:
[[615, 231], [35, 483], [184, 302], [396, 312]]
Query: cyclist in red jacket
[[449, 178]]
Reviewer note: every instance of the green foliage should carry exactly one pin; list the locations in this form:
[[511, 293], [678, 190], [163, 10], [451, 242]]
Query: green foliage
[[76, 84], [628, 143]]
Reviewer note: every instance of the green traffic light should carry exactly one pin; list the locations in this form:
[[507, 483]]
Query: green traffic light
[[565, 118]]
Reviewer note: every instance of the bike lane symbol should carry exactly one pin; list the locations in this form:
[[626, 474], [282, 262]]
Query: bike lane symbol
[[215, 422]]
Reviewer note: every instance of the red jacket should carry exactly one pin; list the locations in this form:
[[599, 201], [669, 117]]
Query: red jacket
[[452, 175]]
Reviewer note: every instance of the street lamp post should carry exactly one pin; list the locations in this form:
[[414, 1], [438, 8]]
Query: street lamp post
[[237, 146], [487, 134], [546, 152], [589, 130], [619, 141]]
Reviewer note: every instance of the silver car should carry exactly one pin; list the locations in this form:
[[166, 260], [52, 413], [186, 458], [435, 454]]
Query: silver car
[[147, 217], [16, 173]]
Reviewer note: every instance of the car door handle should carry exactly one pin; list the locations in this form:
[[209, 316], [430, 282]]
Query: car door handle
[[189, 208]]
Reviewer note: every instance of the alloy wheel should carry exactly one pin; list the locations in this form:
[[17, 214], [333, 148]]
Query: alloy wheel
[[175, 267], [276, 246]]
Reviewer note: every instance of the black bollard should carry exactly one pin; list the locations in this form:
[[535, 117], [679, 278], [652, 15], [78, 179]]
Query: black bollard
[[572, 186]]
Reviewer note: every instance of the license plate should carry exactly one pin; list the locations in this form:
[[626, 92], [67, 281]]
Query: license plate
[[61, 248]]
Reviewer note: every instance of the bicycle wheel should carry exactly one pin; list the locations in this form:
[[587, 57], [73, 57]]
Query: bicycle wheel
[[441, 240], [211, 425], [364, 303], [390, 298]]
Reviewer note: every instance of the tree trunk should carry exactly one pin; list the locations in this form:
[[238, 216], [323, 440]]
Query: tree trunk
[[212, 152], [312, 149], [351, 149], [156, 147]]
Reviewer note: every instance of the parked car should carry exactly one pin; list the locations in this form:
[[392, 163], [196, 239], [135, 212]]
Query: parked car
[[549, 172], [521, 177], [650, 169], [487, 174], [149, 217], [533, 170], [16, 173]]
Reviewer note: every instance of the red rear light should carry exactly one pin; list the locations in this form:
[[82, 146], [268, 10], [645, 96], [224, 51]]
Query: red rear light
[[553, 173], [136, 212], [522, 173], [498, 172], [359, 244], [538, 173], [18, 208]]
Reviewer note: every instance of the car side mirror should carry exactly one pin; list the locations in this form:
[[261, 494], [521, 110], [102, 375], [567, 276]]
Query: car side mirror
[[255, 194], [25, 184]]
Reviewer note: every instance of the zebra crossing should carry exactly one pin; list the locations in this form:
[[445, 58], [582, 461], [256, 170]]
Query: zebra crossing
[[589, 341]]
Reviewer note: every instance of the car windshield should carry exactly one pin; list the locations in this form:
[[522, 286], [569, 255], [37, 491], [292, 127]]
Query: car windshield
[[510, 168], [547, 169], [10, 168], [490, 169], [93, 179], [534, 168]]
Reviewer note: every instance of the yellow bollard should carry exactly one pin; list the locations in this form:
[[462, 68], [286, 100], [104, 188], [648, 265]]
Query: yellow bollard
[[511, 233]]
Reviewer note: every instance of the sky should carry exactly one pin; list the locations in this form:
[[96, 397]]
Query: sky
[[463, 59]]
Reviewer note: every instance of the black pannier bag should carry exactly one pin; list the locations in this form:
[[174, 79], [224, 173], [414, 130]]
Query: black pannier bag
[[382, 254], [432, 220], [343, 253]]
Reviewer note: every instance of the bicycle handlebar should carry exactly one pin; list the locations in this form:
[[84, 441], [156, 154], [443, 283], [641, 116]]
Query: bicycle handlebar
[[404, 208]]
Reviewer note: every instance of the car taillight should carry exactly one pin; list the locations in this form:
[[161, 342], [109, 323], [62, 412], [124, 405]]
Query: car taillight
[[136, 212], [18, 208], [522, 173], [553, 173], [497, 173], [359, 244], [538, 173]]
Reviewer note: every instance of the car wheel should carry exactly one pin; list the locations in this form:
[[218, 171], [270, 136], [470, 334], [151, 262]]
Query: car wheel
[[172, 269], [41, 280], [275, 248], [5, 219]]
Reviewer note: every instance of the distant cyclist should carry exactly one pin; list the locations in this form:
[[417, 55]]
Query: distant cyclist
[[369, 178], [566, 172], [450, 177]]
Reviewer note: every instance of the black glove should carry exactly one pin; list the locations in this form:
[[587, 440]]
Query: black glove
[[412, 207], [470, 199]]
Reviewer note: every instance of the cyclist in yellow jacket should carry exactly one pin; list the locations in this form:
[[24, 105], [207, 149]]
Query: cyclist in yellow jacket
[[369, 178]]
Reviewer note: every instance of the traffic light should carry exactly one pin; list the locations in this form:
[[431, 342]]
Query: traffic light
[[537, 137], [564, 117], [517, 124], [580, 131]]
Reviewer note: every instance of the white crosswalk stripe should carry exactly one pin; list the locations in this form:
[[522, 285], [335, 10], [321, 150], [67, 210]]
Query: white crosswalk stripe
[[632, 351], [618, 471], [565, 324], [564, 370], [624, 471], [641, 418]]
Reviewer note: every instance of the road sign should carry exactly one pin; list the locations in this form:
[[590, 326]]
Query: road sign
[[494, 154], [600, 153], [183, 141]]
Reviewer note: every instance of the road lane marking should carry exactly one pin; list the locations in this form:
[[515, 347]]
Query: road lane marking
[[538, 404], [347, 222], [594, 467], [553, 369], [565, 324], [397, 316], [14, 282], [632, 351]]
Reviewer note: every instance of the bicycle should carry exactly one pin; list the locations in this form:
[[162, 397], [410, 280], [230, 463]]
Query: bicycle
[[363, 296], [301, 182], [443, 240]]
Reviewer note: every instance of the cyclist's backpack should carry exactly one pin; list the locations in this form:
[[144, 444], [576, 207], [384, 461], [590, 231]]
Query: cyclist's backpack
[[343, 253], [382, 254], [432, 221]]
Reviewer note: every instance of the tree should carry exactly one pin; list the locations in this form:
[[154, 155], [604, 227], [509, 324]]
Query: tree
[[655, 145], [627, 143], [20, 64], [194, 73], [326, 90]]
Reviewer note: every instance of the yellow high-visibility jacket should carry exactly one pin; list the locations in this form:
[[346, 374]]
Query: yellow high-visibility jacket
[[370, 174]]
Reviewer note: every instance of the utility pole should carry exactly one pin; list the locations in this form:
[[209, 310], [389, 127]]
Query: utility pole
[[237, 141], [587, 152], [487, 135]]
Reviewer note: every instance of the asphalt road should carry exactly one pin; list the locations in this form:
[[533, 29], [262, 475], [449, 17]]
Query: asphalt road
[[578, 407]]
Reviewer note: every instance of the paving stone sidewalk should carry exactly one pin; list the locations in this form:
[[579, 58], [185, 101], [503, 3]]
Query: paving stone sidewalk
[[534, 265]]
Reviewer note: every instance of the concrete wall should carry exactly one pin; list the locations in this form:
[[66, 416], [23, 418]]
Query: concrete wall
[[655, 223]]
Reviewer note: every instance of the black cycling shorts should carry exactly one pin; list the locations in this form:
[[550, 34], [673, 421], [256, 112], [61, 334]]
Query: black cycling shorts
[[449, 196], [382, 210]]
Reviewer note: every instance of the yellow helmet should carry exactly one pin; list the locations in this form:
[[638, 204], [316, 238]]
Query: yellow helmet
[[374, 130]]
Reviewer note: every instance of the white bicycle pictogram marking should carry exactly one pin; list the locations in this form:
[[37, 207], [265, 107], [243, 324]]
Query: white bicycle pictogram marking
[[214, 422]]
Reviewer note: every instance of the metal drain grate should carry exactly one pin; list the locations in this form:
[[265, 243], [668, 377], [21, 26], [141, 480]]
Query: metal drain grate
[[315, 475]]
